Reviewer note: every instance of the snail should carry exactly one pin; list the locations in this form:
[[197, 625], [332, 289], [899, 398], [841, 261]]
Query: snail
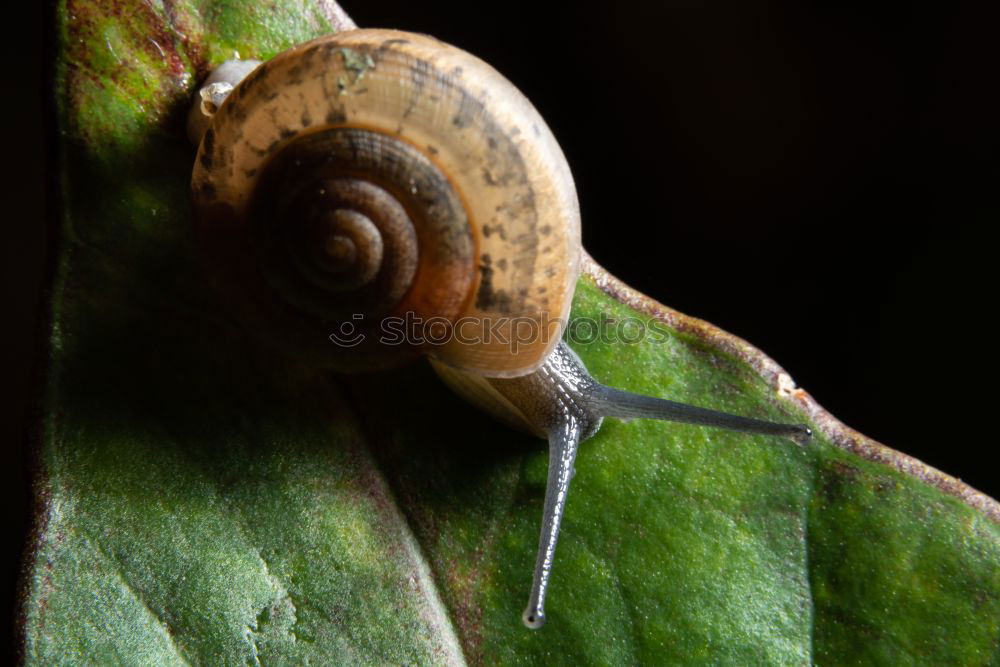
[[373, 176]]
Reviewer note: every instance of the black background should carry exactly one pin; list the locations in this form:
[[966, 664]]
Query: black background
[[820, 182]]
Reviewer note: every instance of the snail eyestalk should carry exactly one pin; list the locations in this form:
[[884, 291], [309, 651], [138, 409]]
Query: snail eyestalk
[[611, 402], [564, 442]]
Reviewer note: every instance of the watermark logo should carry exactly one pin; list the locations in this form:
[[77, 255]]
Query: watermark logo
[[513, 332], [348, 334]]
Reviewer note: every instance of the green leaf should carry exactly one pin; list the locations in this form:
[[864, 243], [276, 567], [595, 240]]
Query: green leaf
[[200, 501]]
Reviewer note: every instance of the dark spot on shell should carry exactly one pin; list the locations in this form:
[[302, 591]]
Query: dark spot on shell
[[207, 190], [287, 133], [391, 42], [488, 298], [432, 150], [502, 301], [488, 178], [502, 264], [420, 72], [305, 119], [238, 114], [485, 296], [467, 109], [498, 229], [545, 230], [528, 241], [492, 142], [250, 173], [335, 115], [208, 141], [251, 80], [495, 229]]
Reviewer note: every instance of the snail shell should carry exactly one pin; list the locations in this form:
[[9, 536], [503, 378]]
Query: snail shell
[[375, 173]]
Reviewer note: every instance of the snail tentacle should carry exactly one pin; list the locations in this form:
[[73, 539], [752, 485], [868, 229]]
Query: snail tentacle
[[564, 441], [611, 402]]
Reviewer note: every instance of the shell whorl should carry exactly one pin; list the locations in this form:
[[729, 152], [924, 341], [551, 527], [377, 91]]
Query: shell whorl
[[382, 173]]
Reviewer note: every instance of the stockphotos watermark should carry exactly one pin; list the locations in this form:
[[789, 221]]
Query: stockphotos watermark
[[514, 332]]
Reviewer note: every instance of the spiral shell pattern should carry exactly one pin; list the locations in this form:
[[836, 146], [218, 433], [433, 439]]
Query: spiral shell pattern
[[378, 174]]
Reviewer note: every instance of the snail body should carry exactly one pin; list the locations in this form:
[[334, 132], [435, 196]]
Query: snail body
[[376, 174]]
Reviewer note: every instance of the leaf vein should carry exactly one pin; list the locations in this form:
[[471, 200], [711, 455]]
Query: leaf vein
[[118, 570]]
